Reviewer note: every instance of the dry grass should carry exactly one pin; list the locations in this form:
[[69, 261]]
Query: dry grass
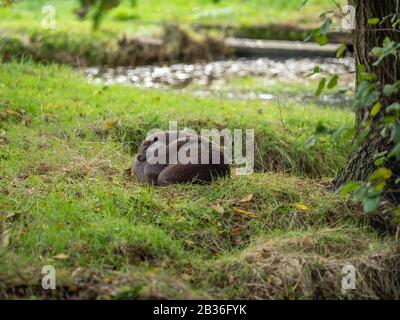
[[309, 266]]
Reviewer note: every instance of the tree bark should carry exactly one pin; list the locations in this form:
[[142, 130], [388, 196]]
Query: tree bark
[[360, 164]]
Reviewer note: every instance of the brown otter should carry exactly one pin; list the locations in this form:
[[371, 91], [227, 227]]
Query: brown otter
[[182, 154]]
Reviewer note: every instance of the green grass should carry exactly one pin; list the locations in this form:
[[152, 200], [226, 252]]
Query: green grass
[[74, 42], [65, 200], [234, 12], [281, 130]]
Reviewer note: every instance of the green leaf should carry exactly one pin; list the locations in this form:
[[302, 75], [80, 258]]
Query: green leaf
[[371, 204], [395, 107], [373, 21], [380, 187], [374, 192], [396, 134], [322, 39], [321, 87], [378, 51], [349, 187], [341, 51], [361, 193], [381, 174], [390, 89], [316, 70], [395, 23], [375, 110], [366, 95], [333, 82], [389, 119], [389, 48], [380, 161], [365, 76], [387, 42], [326, 25], [395, 153]]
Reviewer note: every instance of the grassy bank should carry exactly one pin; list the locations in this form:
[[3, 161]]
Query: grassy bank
[[74, 42], [63, 100], [65, 200]]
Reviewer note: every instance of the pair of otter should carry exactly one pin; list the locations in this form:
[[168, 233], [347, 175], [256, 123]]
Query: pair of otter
[[182, 154]]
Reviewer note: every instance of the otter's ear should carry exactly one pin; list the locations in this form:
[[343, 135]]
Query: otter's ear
[[139, 157]]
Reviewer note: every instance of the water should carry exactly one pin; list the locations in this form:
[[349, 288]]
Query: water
[[215, 78]]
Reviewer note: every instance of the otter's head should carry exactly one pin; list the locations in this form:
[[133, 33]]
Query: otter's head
[[144, 147]]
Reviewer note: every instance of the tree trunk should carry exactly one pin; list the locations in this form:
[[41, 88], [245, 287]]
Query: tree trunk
[[365, 37]]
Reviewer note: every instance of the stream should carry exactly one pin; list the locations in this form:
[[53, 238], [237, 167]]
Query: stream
[[263, 78]]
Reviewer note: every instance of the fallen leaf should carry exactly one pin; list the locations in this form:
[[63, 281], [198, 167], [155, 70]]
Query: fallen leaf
[[189, 242], [10, 215], [72, 288], [151, 271], [302, 207], [76, 272], [218, 208], [108, 280], [61, 256], [111, 123], [186, 277], [247, 198], [244, 212], [12, 112], [236, 230]]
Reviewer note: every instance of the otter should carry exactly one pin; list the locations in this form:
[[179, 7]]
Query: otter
[[174, 170]]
